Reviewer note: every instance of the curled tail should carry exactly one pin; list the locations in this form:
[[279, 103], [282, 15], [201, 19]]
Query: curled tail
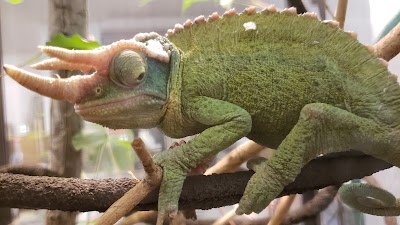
[[370, 199]]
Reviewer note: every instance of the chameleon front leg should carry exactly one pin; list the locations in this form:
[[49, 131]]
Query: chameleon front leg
[[227, 124], [321, 128]]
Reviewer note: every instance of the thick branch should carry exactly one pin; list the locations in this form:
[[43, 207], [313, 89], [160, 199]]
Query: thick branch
[[199, 192], [389, 46], [132, 197]]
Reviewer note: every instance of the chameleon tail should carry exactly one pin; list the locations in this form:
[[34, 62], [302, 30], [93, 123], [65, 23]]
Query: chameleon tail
[[370, 199]]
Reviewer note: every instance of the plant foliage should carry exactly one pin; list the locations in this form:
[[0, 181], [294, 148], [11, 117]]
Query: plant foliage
[[73, 42]]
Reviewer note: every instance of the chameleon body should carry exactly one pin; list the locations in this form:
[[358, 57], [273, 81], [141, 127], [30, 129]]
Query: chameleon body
[[286, 81]]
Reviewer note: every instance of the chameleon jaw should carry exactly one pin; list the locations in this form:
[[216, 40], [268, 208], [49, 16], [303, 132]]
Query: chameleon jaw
[[141, 110]]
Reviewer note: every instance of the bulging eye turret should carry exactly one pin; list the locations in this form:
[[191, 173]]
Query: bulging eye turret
[[128, 68]]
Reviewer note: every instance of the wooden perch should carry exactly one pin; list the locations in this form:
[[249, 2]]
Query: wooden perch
[[199, 192], [389, 46], [132, 197]]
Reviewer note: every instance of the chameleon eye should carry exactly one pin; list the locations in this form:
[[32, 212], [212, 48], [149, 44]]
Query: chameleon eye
[[127, 68]]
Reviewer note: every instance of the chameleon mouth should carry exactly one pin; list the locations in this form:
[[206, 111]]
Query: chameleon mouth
[[106, 110]]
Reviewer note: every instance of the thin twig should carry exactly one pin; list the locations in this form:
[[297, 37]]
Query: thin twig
[[389, 46], [140, 217], [235, 158], [341, 12], [282, 209], [228, 216], [131, 198]]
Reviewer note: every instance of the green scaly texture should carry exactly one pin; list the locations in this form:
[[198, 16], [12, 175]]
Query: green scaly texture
[[287, 62], [308, 87]]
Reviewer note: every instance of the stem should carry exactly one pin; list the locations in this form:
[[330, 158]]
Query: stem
[[341, 12]]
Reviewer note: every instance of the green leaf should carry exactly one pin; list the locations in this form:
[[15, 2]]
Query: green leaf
[[121, 149], [73, 42], [14, 1], [90, 140], [122, 153], [187, 3]]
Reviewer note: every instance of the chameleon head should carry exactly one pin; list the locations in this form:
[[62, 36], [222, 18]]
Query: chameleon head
[[128, 88]]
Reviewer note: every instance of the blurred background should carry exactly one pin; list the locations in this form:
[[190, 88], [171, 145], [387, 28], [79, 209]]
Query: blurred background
[[106, 153]]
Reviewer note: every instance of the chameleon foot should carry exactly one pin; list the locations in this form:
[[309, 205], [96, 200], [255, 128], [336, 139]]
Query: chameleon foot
[[259, 192], [171, 185]]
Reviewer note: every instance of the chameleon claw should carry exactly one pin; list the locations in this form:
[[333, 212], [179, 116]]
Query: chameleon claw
[[255, 164], [173, 213]]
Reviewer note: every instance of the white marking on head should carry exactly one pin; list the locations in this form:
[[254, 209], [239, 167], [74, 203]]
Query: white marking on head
[[156, 50], [250, 26]]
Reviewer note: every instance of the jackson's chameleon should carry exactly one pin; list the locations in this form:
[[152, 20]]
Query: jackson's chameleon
[[286, 81]]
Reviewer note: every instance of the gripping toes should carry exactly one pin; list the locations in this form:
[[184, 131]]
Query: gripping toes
[[307, 139], [171, 184], [260, 190]]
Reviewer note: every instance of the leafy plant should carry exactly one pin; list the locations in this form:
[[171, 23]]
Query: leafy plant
[[97, 141], [73, 42]]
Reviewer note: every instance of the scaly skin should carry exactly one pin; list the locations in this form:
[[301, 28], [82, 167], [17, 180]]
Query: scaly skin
[[285, 81]]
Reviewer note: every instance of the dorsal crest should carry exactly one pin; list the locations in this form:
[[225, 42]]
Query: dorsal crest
[[267, 25]]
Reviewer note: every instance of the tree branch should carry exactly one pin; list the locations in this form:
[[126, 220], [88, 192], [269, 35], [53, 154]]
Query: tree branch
[[389, 46], [199, 192]]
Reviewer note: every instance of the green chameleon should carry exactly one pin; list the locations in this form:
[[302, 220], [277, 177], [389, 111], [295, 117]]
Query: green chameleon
[[286, 81]]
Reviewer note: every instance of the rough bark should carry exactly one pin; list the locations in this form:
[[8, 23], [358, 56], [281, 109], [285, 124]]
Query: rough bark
[[67, 17], [199, 192]]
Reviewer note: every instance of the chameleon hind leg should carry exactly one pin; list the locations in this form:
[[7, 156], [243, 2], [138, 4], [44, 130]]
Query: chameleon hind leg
[[321, 128]]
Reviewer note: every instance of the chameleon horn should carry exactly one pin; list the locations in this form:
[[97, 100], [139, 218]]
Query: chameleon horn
[[87, 57], [56, 64], [60, 89]]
